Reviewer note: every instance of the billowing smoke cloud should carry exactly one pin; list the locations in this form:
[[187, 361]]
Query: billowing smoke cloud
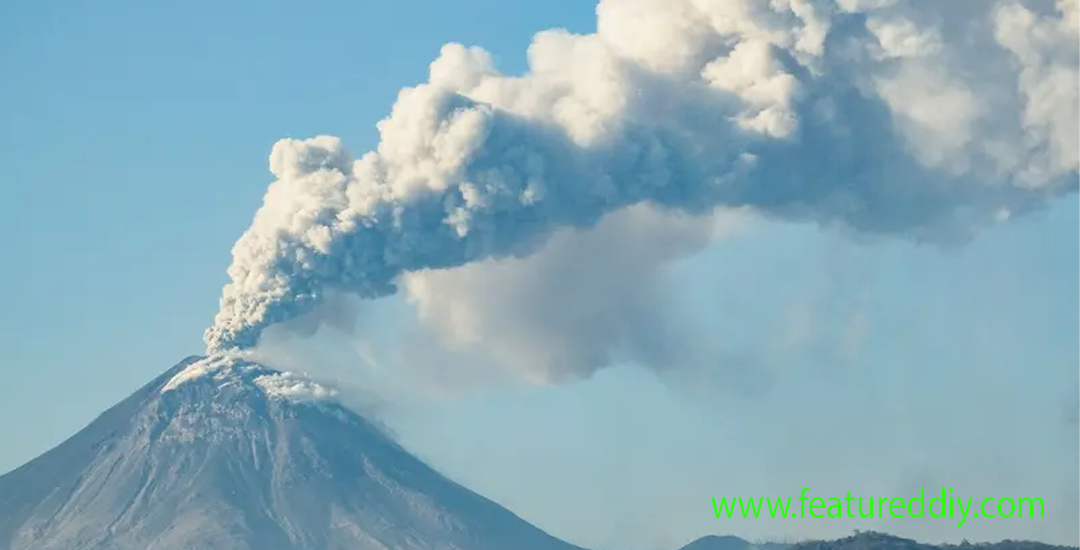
[[920, 119], [584, 301]]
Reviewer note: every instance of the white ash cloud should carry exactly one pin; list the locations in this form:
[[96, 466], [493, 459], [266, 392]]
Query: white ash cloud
[[584, 301], [918, 119]]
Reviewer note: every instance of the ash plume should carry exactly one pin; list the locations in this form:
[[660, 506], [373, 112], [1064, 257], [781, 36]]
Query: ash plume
[[918, 119]]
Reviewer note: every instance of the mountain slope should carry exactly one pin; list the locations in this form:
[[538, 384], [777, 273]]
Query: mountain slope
[[223, 454]]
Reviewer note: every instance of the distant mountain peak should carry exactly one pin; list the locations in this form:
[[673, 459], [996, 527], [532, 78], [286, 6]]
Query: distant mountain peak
[[718, 542], [731, 542]]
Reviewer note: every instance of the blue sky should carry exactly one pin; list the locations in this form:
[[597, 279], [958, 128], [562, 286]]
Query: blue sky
[[134, 147]]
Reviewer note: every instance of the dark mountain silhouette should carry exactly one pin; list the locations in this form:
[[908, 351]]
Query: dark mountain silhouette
[[728, 542], [870, 540]]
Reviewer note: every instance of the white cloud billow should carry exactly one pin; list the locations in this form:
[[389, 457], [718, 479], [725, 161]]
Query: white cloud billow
[[920, 119]]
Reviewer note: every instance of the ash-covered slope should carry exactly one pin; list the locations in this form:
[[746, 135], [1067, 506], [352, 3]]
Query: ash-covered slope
[[241, 457]]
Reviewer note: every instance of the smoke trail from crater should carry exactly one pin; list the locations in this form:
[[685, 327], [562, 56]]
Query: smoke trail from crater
[[919, 119]]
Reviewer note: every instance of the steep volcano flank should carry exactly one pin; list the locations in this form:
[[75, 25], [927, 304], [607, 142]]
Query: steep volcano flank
[[221, 462], [48, 481]]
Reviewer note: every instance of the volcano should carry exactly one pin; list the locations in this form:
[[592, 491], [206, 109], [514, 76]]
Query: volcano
[[222, 453]]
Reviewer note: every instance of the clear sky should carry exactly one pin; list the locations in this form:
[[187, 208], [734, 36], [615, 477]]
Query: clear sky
[[133, 151]]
